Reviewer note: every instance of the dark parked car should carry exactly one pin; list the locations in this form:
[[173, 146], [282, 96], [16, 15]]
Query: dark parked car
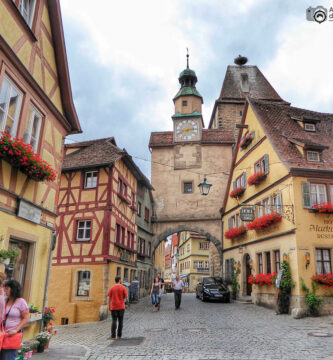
[[212, 288]]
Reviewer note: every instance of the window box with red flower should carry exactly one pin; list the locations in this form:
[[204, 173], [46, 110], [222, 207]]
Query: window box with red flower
[[324, 279], [264, 222], [20, 155], [234, 233], [257, 178], [246, 140], [262, 279], [323, 208], [237, 192]]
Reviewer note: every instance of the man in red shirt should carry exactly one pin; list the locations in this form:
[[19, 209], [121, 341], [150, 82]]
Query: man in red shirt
[[117, 295]]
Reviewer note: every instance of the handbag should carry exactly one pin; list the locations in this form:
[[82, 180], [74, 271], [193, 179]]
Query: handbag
[[11, 342], [2, 334]]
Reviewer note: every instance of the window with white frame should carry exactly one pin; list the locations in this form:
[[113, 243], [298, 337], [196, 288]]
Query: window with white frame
[[90, 180], [260, 210], [206, 264], [277, 202], [83, 230], [318, 193], [309, 127], [83, 283], [188, 247], [266, 207], [10, 106], [204, 245], [260, 264], [32, 130], [313, 155], [323, 261], [27, 9]]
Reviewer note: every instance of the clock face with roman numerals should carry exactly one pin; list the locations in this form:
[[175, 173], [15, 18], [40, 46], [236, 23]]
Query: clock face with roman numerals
[[187, 130]]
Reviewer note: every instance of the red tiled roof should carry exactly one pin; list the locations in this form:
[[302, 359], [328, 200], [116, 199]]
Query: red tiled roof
[[94, 153], [284, 132], [89, 142], [98, 153], [161, 139]]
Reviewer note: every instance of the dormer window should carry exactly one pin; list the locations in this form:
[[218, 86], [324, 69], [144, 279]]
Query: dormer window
[[245, 83], [313, 155], [310, 127], [27, 9]]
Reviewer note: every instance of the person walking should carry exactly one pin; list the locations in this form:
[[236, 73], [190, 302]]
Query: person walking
[[161, 281], [178, 289], [117, 295], [16, 315], [155, 292]]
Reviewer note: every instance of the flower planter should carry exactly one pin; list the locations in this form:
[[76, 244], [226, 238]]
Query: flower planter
[[20, 155], [256, 178], [263, 279], [264, 222], [246, 141], [235, 232], [324, 279], [323, 208], [237, 192]]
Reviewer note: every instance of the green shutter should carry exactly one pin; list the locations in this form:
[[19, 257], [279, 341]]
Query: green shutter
[[306, 195], [266, 169], [234, 185], [229, 223], [244, 179]]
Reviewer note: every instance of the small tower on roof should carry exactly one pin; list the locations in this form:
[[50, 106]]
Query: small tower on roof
[[188, 122]]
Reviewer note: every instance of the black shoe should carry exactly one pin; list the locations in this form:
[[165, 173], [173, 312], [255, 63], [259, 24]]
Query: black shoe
[[112, 337]]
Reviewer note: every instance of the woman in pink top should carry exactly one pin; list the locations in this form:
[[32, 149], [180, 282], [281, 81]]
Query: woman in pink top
[[16, 315], [2, 300]]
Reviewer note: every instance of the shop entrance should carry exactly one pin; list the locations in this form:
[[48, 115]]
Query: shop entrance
[[247, 274]]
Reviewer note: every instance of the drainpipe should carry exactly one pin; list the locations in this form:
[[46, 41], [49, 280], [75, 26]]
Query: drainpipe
[[52, 247], [222, 243]]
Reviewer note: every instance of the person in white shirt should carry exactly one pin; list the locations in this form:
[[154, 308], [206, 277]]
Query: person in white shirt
[[178, 289]]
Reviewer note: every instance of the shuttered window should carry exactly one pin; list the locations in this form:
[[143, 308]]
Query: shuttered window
[[260, 264], [262, 165], [313, 194], [277, 260], [240, 181]]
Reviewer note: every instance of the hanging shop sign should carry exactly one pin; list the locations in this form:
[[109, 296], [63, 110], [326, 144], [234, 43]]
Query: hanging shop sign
[[247, 213], [29, 212]]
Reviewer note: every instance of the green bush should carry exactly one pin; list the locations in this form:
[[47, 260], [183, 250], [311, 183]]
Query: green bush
[[234, 283], [286, 284], [312, 300]]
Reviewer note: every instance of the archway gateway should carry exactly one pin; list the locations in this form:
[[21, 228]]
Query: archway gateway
[[210, 229]]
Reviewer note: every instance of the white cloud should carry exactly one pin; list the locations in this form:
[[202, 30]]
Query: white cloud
[[302, 70]]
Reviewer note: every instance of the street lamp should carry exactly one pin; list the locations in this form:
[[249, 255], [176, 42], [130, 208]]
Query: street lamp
[[204, 187]]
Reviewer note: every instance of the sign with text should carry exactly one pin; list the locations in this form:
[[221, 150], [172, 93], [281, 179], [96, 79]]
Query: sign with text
[[29, 212], [247, 213]]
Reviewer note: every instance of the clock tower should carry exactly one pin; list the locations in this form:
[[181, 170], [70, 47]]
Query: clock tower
[[187, 120]]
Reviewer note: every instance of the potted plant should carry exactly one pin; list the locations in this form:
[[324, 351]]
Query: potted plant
[[48, 315], [43, 338], [237, 192], [234, 233], [263, 279], [264, 221], [21, 155], [256, 178], [323, 208], [323, 279], [8, 256], [246, 140]]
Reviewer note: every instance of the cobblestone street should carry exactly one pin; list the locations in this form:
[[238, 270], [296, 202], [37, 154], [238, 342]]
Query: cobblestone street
[[200, 331]]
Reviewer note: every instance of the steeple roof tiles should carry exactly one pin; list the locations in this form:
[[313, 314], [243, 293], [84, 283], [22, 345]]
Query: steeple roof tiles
[[259, 87], [283, 131]]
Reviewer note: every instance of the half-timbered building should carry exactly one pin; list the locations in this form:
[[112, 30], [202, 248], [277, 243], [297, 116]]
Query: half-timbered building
[[97, 231], [36, 113]]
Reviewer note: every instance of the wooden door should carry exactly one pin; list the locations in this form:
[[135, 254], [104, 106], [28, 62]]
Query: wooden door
[[248, 273]]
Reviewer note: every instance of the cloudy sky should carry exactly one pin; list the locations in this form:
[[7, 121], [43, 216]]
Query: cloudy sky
[[125, 57]]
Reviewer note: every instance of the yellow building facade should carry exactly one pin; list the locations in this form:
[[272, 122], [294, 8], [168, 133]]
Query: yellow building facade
[[36, 105], [193, 258], [282, 166], [159, 259]]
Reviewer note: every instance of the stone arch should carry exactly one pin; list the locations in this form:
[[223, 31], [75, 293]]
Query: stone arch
[[187, 227]]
